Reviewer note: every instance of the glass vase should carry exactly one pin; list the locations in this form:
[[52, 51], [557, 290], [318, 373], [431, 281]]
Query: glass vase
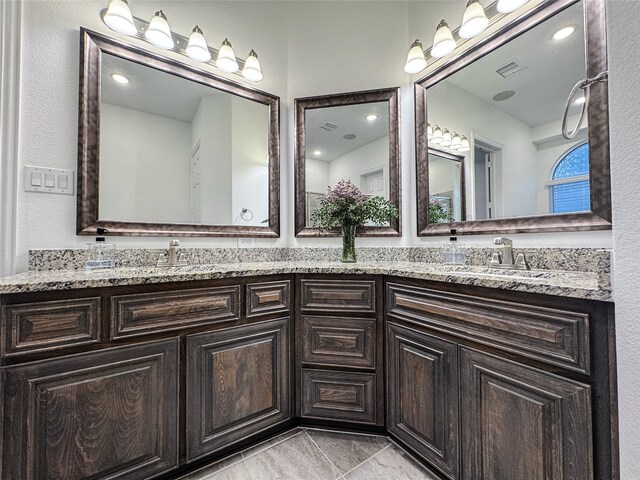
[[348, 243]]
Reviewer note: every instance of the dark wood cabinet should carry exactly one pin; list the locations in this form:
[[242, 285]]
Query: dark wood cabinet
[[521, 422], [339, 349], [238, 384], [107, 414], [422, 395]]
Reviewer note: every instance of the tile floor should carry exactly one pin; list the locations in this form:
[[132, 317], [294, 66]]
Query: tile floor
[[313, 454]]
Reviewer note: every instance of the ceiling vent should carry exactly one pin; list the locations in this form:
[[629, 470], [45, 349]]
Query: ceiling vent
[[328, 126], [509, 69]]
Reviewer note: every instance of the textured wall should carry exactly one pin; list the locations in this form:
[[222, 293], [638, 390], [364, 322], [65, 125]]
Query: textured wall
[[624, 101]]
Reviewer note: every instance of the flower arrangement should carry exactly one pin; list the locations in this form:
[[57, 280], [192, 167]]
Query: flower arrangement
[[437, 212], [346, 206]]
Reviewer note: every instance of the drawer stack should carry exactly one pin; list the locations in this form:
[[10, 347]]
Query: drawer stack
[[339, 350]]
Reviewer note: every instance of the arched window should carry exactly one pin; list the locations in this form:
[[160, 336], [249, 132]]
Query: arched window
[[569, 185]]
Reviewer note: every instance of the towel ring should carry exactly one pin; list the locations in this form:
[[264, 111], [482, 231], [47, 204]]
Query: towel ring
[[246, 214], [583, 84]]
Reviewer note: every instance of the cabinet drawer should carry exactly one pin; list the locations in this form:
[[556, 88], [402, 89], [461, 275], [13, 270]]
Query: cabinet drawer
[[338, 295], [555, 336], [145, 313], [46, 326], [268, 297], [339, 395], [348, 342]]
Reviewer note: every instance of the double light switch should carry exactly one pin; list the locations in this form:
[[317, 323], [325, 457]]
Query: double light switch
[[48, 180]]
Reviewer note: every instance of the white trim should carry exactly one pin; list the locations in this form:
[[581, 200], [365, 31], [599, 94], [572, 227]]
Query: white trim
[[579, 178], [10, 67]]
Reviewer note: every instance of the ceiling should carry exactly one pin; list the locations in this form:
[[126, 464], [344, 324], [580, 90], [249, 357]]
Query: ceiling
[[150, 90], [349, 119], [552, 68]]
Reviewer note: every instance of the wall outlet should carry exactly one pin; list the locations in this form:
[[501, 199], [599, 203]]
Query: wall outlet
[[246, 242], [48, 180]]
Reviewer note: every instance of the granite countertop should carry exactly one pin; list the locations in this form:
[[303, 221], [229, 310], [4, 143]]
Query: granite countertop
[[576, 284]]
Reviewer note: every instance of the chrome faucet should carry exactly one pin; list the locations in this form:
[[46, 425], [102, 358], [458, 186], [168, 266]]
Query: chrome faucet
[[506, 259], [175, 259]]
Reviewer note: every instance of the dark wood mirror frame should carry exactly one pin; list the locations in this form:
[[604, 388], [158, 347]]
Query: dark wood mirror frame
[[463, 186], [599, 218], [92, 44], [391, 95]]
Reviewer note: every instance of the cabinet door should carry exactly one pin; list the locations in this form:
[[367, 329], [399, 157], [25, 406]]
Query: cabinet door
[[520, 422], [108, 414], [238, 384], [422, 389]]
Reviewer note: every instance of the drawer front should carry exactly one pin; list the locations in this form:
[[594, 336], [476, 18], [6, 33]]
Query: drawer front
[[347, 342], [140, 314], [268, 297], [557, 337], [46, 326], [339, 395], [338, 295]]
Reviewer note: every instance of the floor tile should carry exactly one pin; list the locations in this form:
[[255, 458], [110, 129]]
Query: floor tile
[[347, 450], [239, 471], [271, 442], [392, 462], [297, 458], [209, 470]]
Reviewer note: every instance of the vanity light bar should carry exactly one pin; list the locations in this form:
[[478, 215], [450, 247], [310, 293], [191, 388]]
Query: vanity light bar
[[451, 140], [417, 60], [181, 43]]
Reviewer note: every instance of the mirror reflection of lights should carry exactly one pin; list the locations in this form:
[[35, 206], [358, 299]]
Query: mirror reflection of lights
[[371, 117], [317, 152], [564, 32], [121, 79]]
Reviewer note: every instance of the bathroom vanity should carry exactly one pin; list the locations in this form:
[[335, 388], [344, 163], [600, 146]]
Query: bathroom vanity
[[150, 380]]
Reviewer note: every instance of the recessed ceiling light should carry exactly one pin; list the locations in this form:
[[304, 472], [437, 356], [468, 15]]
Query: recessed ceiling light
[[317, 152], [579, 101], [120, 78], [564, 32], [501, 96], [372, 116]]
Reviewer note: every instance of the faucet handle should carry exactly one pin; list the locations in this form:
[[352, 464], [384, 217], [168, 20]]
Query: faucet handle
[[495, 260], [521, 262], [174, 243], [502, 241]]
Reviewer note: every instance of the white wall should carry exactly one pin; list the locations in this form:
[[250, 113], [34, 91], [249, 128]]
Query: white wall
[[367, 158], [139, 165], [624, 104], [250, 171], [317, 173]]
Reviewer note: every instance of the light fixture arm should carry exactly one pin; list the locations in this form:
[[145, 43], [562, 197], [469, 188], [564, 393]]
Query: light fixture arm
[[181, 42]]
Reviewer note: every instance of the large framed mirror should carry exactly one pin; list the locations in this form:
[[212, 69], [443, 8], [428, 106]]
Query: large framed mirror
[[348, 136], [169, 149], [499, 106]]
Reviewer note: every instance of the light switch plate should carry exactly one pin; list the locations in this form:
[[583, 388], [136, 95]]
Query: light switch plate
[[48, 180]]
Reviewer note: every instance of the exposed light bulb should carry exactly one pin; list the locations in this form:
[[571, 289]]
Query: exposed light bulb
[[198, 49], [251, 70], [226, 60], [159, 32], [443, 42], [415, 58], [119, 19], [507, 6], [474, 20]]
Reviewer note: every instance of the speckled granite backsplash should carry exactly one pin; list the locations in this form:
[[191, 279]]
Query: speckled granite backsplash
[[570, 259]]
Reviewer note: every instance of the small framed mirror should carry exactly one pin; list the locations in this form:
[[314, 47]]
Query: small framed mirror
[[348, 136], [172, 150], [446, 187], [498, 107]]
